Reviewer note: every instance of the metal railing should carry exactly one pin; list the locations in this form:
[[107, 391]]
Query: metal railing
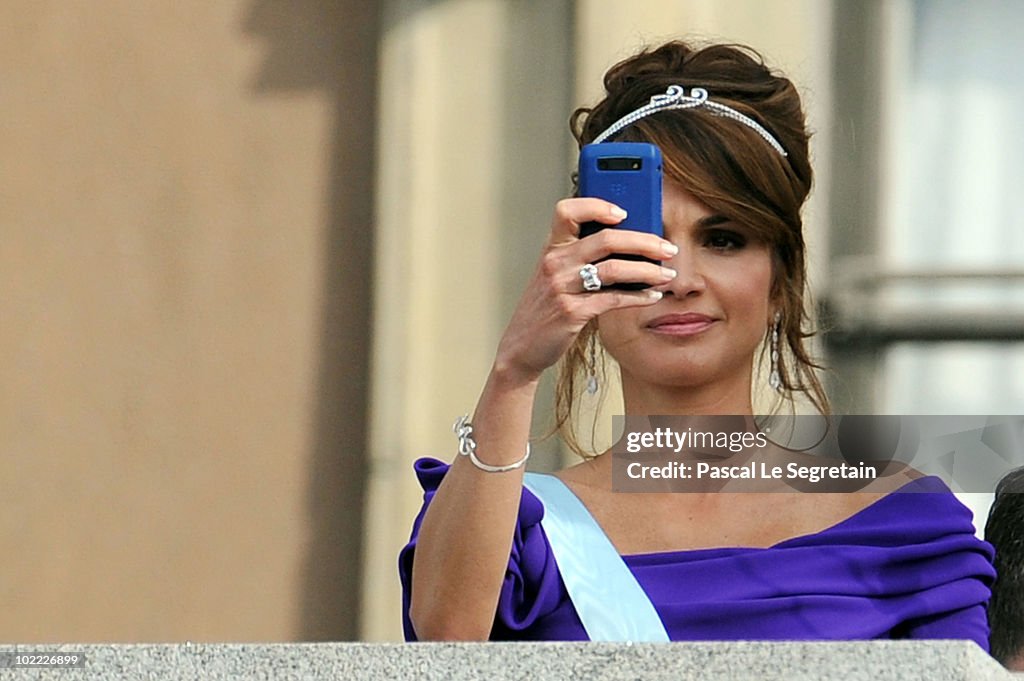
[[857, 310]]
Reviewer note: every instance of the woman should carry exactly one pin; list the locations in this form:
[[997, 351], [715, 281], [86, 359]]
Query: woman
[[482, 560]]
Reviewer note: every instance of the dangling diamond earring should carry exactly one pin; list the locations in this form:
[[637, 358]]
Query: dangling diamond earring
[[592, 365], [774, 379]]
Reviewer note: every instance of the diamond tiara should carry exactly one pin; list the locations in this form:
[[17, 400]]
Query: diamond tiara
[[676, 98]]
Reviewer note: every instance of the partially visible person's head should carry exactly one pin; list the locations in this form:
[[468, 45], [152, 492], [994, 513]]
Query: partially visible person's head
[[728, 166], [1005, 531]]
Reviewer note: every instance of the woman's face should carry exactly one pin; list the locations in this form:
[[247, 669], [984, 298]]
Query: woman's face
[[714, 314]]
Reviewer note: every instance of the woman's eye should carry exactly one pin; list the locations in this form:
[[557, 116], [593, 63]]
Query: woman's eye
[[725, 240]]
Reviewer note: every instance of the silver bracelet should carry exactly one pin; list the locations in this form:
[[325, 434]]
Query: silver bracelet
[[467, 447]]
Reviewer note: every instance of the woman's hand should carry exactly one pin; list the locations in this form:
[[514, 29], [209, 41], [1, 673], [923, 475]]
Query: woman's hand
[[555, 307]]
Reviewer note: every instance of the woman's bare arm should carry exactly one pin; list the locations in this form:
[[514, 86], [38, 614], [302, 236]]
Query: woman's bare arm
[[465, 540]]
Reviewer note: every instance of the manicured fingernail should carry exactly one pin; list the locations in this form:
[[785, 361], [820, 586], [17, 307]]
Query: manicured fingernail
[[669, 248], [654, 295], [618, 213], [668, 273]]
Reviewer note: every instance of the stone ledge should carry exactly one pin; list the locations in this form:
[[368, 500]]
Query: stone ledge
[[764, 661]]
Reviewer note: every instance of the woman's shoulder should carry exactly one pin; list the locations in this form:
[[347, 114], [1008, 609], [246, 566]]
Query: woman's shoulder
[[531, 588], [879, 477], [430, 472], [895, 476]]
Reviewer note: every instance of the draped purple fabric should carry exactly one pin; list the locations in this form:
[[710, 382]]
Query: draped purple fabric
[[907, 566]]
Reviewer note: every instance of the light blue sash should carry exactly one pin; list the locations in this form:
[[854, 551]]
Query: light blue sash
[[606, 595]]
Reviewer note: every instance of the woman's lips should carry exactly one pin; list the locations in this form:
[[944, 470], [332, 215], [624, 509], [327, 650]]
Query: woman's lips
[[687, 324]]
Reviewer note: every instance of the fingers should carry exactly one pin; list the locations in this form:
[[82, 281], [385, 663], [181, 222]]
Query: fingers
[[571, 213], [590, 305], [611, 241], [606, 300], [563, 268], [616, 271], [568, 250], [567, 254]]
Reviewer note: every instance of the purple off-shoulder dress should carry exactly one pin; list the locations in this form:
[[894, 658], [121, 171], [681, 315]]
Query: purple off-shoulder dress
[[907, 566]]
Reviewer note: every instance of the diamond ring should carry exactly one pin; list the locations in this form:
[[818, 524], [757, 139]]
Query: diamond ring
[[591, 282]]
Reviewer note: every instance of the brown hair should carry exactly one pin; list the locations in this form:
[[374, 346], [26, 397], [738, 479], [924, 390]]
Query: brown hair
[[726, 165], [1006, 607]]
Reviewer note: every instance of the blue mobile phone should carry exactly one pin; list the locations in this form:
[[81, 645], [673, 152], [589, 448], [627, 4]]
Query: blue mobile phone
[[629, 175]]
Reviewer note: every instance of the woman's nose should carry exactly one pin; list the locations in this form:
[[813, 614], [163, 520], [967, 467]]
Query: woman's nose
[[689, 280]]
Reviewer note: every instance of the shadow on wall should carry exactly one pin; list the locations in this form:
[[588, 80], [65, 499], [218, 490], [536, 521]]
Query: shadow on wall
[[331, 45]]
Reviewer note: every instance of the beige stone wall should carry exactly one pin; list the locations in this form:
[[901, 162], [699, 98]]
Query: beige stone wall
[[473, 146], [185, 221]]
